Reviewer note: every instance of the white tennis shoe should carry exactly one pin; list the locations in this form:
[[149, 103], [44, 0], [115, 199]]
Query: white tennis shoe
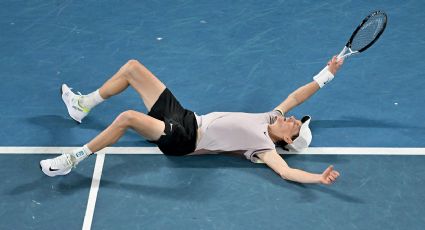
[[71, 100], [58, 166]]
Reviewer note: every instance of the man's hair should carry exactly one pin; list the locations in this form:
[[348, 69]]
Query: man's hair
[[283, 143]]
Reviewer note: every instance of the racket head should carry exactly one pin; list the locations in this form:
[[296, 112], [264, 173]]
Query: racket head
[[368, 32]]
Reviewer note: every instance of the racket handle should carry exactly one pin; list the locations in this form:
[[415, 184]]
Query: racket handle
[[341, 54]]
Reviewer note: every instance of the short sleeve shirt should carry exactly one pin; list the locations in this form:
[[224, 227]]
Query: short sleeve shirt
[[235, 131]]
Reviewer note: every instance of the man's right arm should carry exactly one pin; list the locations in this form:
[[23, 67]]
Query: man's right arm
[[297, 97], [305, 92]]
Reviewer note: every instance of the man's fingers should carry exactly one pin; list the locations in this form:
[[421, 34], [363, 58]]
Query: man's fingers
[[328, 170], [329, 176], [335, 174]]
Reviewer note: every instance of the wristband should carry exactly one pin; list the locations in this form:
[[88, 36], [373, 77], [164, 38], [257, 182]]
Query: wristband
[[323, 77]]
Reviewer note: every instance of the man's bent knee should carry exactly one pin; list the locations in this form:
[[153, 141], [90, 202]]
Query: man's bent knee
[[134, 68], [133, 65], [125, 119]]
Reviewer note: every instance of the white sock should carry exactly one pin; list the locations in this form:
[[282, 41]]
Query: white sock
[[80, 154], [91, 100]]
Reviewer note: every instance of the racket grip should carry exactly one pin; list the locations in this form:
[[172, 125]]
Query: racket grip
[[341, 54]]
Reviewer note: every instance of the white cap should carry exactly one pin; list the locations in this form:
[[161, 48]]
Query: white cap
[[304, 138]]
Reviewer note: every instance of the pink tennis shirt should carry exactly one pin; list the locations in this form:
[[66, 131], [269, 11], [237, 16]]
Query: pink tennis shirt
[[235, 131]]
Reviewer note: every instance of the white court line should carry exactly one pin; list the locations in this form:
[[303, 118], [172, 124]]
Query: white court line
[[97, 173], [56, 150], [359, 151], [155, 150], [100, 158]]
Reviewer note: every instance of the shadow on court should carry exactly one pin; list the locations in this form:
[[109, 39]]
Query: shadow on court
[[310, 193], [359, 122], [62, 129], [193, 175], [52, 122], [32, 182], [65, 186]]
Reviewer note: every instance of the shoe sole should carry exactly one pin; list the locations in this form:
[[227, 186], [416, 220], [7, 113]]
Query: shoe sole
[[61, 93], [53, 175]]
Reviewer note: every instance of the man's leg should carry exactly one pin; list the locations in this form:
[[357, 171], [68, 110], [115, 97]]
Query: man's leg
[[133, 74], [145, 125], [149, 88]]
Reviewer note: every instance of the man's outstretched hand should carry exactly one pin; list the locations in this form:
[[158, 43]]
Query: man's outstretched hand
[[329, 175], [334, 64]]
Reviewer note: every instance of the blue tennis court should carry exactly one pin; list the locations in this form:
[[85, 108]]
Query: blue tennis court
[[215, 56]]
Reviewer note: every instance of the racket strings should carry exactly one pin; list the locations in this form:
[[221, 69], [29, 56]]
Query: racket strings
[[368, 32]]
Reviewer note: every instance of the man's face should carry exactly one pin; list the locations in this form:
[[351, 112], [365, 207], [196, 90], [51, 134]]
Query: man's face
[[289, 126]]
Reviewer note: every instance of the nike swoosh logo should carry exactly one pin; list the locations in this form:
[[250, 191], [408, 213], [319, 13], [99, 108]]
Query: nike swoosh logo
[[53, 170]]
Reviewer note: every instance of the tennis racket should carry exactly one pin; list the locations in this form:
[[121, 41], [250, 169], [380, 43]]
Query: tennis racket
[[365, 35]]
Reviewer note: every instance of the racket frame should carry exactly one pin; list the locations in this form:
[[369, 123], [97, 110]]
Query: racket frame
[[344, 54], [360, 26]]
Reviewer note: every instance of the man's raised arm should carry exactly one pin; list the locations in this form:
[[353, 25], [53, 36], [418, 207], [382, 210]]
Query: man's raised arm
[[304, 92]]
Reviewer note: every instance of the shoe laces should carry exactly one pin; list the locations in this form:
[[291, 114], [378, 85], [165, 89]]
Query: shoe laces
[[80, 96], [63, 161], [78, 92]]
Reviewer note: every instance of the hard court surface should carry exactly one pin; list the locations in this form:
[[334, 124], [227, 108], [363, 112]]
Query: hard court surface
[[214, 56]]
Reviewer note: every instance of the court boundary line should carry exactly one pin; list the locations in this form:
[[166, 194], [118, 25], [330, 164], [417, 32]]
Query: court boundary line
[[94, 189], [100, 159], [155, 150]]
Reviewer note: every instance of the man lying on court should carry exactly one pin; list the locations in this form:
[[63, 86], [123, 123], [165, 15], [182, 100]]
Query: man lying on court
[[178, 131]]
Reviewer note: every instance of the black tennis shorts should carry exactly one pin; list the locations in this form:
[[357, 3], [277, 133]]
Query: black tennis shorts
[[180, 125]]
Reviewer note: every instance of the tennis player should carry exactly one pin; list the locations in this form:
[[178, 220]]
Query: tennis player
[[178, 131]]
